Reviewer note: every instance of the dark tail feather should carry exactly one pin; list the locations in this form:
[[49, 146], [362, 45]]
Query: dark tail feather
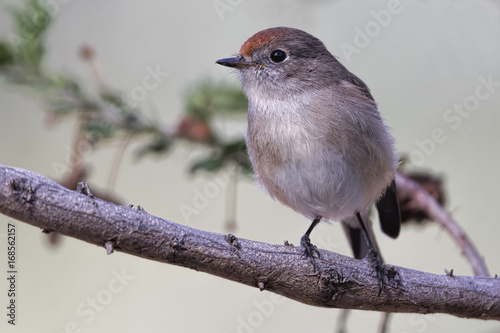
[[357, 241], [356, 238], [390, 221], [388, 212]]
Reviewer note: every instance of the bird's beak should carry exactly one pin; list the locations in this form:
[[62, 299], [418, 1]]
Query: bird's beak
[[238, 62]]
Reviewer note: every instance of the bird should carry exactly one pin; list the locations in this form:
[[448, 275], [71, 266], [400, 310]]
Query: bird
[[316, 139]]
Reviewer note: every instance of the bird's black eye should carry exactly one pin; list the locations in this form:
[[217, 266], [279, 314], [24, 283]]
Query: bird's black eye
[[278, 56]]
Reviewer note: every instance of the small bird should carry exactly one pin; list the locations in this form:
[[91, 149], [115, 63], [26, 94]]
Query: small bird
[[315, 137]]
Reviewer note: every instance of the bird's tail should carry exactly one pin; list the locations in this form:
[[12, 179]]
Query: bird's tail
[[356, 238]]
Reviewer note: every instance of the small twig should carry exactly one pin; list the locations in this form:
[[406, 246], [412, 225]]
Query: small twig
[[384, 322], [231, 201], [342, 321], [83, 188], [88, 54], [113, 173], [438, 214], [109, 247]]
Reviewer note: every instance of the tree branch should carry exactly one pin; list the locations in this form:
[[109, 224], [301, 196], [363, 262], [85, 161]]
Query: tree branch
[[425, 202], [341, 282]]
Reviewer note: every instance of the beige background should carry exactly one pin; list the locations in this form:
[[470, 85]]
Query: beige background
[[426, 58]]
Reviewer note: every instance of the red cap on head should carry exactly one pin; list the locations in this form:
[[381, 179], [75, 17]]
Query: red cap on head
[[261, 38]]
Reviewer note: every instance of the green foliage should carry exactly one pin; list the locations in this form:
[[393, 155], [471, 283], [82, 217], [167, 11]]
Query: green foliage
[[6, 54], [108, 115], [207, 99], [233, 152], [160, 144], [26, 45]]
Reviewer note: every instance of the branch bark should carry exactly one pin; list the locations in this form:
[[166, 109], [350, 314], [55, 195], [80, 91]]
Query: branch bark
[[340, 282], [437, 213]]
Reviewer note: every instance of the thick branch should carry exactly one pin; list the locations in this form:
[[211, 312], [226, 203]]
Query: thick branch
[[341, 282]]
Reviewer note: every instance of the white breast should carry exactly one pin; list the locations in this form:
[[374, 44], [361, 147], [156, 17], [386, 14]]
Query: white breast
[[299, 166]]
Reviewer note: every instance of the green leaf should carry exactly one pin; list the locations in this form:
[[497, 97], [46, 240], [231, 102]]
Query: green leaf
[[230, 153], [210, 164], [160, 145], [207, 98], [6, 56], [31, 23]]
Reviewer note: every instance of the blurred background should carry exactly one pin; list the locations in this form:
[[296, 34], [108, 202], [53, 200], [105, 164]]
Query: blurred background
[[432, 66]]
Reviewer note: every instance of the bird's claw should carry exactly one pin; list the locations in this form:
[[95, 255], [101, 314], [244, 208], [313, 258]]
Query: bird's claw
[[380, 270], [309, 250]]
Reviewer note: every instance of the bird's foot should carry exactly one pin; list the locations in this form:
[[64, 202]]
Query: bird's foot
[[383, 274], [309, 250]]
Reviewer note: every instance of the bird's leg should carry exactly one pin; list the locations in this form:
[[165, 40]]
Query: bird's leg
[[373, 255], [309, 250]]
